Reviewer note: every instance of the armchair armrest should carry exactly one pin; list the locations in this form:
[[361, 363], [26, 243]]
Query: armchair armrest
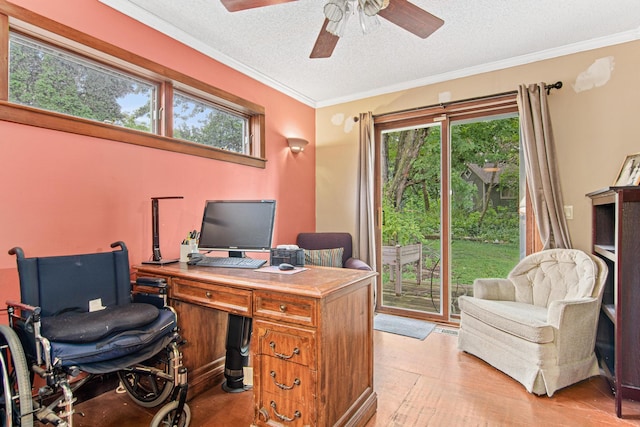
[[575, 322], [356, 264], [494, 289]]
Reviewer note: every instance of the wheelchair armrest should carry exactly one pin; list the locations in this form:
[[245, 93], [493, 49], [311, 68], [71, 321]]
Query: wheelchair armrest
[[35, 311], [158, 283], [30, 314], [148, 289], [154, 282]]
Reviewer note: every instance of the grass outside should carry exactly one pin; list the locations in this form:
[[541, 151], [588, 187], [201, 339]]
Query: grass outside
[[470, 260]]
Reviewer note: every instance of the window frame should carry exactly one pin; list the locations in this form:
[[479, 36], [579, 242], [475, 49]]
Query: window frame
[[20, 20]]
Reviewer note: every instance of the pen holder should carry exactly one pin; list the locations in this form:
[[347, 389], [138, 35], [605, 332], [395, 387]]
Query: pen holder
[[185, 250]]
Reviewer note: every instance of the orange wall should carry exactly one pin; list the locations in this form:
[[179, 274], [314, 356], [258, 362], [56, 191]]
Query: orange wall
[[63, 193]]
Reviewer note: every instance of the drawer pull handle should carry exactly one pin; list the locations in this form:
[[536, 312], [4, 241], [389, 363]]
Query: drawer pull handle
[[280, 355], [208, 294], [282, 386], [284, 418], [265, 414], [283, 308]]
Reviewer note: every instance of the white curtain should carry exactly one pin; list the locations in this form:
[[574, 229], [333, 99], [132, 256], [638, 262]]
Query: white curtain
[[365, 245], [541, 166]]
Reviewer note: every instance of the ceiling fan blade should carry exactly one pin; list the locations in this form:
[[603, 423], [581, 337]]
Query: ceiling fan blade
[[325, 43], [236, 5], [411, 18]]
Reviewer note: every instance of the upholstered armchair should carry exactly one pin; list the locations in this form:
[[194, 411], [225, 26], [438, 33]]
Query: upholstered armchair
[[330, 249], [539, 324]]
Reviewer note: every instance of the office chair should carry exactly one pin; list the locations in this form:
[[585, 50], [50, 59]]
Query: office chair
[[77, 318]]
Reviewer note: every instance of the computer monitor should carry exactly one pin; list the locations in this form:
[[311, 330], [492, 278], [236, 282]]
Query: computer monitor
[[237, 226]]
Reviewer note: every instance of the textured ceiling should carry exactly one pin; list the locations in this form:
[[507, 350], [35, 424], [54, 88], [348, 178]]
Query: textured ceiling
[[272, 44]]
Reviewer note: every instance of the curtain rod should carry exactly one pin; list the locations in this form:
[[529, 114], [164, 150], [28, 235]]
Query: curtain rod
[[556, 85]]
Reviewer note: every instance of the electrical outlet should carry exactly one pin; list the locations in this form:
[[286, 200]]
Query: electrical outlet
[[568, 212]]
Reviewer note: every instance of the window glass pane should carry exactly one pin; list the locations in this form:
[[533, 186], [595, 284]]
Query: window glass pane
[[410, 163], [486, 218], [44, 77], [198, 121]]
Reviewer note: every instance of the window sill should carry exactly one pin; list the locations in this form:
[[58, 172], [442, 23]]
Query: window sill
[[60, 122]]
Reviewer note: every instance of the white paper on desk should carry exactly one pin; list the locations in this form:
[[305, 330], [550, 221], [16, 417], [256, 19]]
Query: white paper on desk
[[276, 269]]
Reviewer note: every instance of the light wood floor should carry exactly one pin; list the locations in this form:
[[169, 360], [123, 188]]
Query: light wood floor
[[419, 383]]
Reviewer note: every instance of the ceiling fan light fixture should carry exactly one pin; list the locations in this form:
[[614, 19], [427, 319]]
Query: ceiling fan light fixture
[[335, 10], [368, 23], [337, 27], [371, 7]]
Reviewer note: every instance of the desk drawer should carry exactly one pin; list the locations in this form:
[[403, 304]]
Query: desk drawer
[[299, 310], [288, 380], [278, 411], [294, 345], [236, 301]]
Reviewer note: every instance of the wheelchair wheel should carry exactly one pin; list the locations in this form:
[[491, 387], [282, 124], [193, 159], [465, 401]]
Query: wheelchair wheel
[[16, 405], [146, 388], [164, 417]]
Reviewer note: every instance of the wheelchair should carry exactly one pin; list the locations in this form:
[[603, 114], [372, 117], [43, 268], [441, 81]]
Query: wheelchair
[[78, 319]]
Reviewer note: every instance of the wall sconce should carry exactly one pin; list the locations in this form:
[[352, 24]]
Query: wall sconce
[[297, 144]]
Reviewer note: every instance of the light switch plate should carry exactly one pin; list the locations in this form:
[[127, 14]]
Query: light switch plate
[[568, 212]]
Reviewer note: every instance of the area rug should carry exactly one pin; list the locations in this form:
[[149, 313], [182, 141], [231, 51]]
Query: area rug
[[398, 325]]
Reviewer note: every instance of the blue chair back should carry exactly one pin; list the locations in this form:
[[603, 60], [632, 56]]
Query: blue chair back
[[69, 282]]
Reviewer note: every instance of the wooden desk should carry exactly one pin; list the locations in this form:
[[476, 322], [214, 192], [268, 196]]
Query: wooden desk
[[312, 340]]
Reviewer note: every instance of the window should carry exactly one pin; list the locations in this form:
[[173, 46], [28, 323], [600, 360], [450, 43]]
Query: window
[[80, 84], [45, 77], [202, 122]]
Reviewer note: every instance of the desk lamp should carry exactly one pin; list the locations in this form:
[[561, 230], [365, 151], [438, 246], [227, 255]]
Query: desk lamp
[[155, 231]]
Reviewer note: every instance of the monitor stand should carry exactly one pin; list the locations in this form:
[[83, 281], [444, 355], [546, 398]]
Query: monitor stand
[[161, 262], [155, 231], [237, 254]]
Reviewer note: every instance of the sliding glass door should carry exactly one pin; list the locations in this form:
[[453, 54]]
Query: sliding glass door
[[451, 196]]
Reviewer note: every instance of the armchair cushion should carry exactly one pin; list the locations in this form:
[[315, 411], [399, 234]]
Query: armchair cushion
[[332, 240], [554, 275], [525, 321], [324, 257]]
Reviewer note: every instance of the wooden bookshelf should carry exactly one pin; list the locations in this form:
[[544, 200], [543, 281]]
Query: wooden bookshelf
[[616, 239]]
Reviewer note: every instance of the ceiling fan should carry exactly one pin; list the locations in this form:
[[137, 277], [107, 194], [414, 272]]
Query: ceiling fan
[[400, 12]]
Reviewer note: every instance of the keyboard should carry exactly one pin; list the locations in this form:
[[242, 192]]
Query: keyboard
[[231, 262]]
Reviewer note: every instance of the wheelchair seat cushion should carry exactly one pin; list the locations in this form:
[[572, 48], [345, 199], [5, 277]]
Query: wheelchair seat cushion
[[74, 327], [115, 347]]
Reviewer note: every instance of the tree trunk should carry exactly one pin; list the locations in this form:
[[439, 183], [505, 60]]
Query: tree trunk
[[409, 145], [425, 196], [487, 198]]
